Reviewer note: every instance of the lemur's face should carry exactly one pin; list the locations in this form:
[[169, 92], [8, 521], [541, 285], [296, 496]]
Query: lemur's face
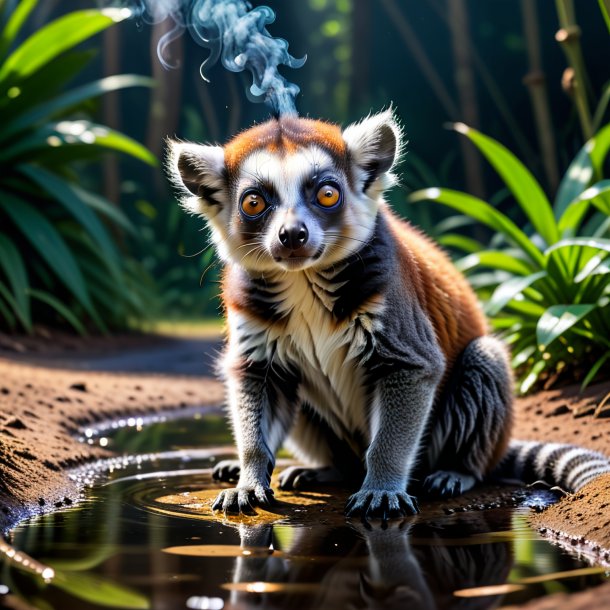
[[290, 193]]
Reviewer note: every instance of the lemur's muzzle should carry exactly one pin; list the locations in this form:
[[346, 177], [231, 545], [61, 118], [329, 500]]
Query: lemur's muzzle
[[293, 236]]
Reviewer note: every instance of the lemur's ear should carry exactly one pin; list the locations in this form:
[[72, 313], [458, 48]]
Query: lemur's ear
[[200, 171], [374, 144]]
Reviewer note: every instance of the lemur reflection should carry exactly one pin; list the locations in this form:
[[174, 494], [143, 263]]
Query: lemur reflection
[[406, 565]]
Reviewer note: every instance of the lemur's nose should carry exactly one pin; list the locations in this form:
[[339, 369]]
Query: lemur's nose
[[293, 236]]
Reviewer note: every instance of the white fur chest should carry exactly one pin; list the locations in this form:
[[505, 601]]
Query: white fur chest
[[328, 354]]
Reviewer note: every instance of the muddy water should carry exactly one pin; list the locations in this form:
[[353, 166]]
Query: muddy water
[[145, 537]]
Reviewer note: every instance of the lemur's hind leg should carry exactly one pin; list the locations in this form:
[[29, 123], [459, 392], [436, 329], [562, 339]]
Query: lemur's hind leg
[[332, 460], [472, 420]]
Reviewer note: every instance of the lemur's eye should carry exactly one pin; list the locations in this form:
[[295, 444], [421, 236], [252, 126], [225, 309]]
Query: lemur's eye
[[328, 195], [253, 204]]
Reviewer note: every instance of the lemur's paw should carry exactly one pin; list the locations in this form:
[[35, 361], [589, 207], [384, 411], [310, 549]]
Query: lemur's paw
[[377, 504], [227, 471], [243, 500], [447, 484], [296, 477]]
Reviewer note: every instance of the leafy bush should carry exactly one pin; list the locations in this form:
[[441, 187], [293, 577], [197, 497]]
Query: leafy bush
[[57, 252], [546, 286]]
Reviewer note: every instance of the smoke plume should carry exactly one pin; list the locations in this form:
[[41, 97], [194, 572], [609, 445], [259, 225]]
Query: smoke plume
[[236, 33]]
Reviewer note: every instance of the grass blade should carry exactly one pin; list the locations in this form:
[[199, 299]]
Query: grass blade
[[11, 262], [590, 376], [60, 308]]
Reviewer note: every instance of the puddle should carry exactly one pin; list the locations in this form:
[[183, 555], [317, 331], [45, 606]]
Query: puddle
[[145, 537]]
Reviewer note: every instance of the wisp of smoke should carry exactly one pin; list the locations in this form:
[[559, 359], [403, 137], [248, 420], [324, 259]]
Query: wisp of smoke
[[235, 33]]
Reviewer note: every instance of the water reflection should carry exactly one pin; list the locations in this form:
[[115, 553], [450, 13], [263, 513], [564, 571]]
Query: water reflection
[[357, 567]]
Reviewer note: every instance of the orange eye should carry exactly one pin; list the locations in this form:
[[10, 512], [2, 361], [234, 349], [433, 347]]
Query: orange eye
[[253, 204], [328, 196]]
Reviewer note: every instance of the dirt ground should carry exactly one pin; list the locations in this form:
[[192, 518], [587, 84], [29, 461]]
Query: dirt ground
[[42, 407]]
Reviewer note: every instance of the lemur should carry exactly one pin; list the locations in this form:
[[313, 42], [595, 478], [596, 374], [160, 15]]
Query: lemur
[[352, 338]]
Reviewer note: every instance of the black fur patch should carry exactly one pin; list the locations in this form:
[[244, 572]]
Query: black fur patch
[[364, 275], [261, 298]]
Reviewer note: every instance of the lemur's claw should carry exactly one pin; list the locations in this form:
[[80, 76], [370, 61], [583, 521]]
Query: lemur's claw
[[227, 470], [243, 500], [384, 505]]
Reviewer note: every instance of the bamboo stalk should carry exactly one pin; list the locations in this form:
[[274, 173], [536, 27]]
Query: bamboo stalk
[[536, 83], [419, 55], [465, 83], [495, 93], [568, 36]]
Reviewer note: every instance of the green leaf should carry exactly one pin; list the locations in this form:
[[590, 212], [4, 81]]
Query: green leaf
[[483, 212], [596, 265], [495, 260], [48, 242], [460, 242], [102, 206], [68, 196], [523, 356], [13, 26], [55, 38], [60, 308], [570, 220], [44, 84], [590, 376], [575, 180], [604, 7], [508, 290], [6, 313], [557, 319], [582, 242], [71, 98], [98, 591], [11, 262], [518, 178], [79, 136], [602, 106], [531, 378], [598, 147]]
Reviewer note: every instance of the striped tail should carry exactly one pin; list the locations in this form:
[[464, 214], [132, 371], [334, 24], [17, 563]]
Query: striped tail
[[568, 467]]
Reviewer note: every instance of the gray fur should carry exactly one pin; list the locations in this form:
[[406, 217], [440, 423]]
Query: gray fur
[[474, 411]]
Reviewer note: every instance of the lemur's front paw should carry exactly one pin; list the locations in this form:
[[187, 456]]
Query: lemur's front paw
[[379, 504], [243, 500], [227, 470]]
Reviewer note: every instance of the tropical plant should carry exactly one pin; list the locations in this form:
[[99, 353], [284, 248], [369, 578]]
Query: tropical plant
[[57, 252], [546, 283]]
